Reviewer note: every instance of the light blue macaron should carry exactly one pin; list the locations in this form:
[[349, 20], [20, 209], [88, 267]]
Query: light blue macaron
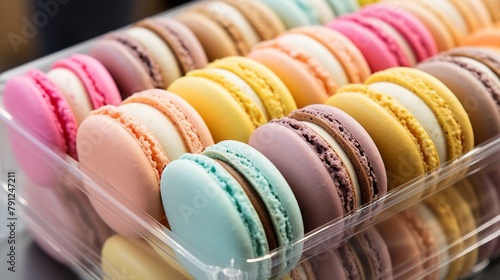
[[294, 13], [208, 209]]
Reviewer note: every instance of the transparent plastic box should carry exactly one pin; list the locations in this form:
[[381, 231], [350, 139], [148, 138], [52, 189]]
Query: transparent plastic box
[[42, 206]]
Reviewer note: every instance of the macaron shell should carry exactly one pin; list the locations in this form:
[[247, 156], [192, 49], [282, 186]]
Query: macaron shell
[[481, 109], [317, 207], [343, 7], [451, 101], [343, 49], [303, 84], [375, 50], [215, 41], [97, 141], [225, 118], [128, 73], [189, 52], [264, 20], [401, 153]]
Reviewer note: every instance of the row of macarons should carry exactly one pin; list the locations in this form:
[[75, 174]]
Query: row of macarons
[[313, 146], [391, 33]]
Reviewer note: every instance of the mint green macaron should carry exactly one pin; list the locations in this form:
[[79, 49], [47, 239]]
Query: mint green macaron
[[294, 13], [230, 202]]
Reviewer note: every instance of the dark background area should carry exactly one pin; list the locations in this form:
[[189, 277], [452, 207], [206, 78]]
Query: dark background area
[[34, 28]]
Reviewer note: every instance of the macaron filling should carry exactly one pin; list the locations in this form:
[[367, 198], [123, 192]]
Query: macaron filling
[[160, 51], [329, 158], [152, 149], [162, 128], [191, 138], [138, 51], [255, 114], [318, 52], [73, 90], [418, 108], [96, 94], [64, 118]]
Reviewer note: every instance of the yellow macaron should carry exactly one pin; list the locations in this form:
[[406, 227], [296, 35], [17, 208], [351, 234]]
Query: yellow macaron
[[234, 96], [409, 151], [455, 125]]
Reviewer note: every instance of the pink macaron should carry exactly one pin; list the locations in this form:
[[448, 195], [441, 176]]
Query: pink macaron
[[375, 41], [415, 34], [51, 106]]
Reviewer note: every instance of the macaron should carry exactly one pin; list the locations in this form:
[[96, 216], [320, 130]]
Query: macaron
[[410, 151], [188, 53], [305, 65], [451, 131], [352, 60], [375, 39], [294, 13], [340, 167], [482, 198], [323, 9], [264, 20], [373, 253], [472, 74], [493, 8], [134, 258], [431, 19], [234, 96], [51, 106], [151, 128], [416, 242], [220, 27], [486, 37], [303, 271], [230, 185], [129, 62], [415, 35], [457, 220]]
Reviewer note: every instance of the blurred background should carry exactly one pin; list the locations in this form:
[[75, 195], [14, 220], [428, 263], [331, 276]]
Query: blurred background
[[34, 28]]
